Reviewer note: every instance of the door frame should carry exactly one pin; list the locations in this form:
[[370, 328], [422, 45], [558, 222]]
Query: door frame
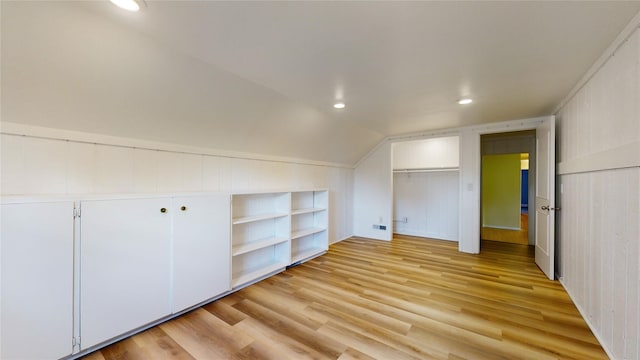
[[532, 173], [470, 176]]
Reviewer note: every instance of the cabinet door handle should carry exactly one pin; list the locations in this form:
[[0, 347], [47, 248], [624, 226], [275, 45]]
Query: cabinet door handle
[[163, 210], [183, 208]]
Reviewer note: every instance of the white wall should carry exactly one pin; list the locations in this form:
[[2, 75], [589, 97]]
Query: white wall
[[373, 194], [373, 189], [32, 165], [439, 152], [111, 79], [598, 241], [428, 201]]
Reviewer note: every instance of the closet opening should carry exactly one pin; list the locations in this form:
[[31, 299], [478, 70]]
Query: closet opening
[[426, 188]]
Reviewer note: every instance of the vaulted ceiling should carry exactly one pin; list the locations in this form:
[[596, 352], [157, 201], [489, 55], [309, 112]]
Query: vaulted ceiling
[[261, 77]]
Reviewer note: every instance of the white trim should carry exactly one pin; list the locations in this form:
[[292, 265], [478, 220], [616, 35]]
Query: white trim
[[343, 239], [371, 152], [471, 244], [625, 156], [586, 319], [427, 235], [509, 126], [44, 198], [426, 170], [488, 128], [502, 227], [9, 128], [623, 37], [425, 135]]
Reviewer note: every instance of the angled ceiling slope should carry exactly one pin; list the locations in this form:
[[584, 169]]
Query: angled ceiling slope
[[261, 77]]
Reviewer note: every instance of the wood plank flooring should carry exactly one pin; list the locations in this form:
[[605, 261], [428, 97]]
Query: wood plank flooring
[[512, 236], [410, 298]]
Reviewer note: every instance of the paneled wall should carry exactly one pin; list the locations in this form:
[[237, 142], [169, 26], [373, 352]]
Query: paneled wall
[[373, 194], [426, 204], [43, 166], [598, 241], [437, 152]]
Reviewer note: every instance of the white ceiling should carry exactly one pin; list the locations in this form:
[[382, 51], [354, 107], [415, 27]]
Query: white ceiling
[[262, 76]]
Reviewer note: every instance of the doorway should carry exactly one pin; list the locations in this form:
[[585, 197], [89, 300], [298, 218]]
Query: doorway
[[507, 174]]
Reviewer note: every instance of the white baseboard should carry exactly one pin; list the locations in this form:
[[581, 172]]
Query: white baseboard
[[502, 227], [427, 235], [337, 241], [586, 319]]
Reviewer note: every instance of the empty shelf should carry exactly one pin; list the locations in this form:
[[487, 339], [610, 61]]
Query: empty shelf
[[247, 219], [246, 277], [305, 232], [306, 211], [256, 245]]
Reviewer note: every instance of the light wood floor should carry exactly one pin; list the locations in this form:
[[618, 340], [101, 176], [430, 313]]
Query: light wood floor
[[406, 299], [512, 236]]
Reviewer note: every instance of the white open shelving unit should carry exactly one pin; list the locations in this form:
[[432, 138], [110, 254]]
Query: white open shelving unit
[[271, 231], [309, 219]]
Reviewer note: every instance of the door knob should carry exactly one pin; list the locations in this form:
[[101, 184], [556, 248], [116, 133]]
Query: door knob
[[183, 208], [163, 210], [545, 207]]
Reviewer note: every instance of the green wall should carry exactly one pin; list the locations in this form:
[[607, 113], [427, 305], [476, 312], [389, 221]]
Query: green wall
[[501, 191]]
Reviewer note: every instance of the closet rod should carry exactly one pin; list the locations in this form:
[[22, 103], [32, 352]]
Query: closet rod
[[401, 171]]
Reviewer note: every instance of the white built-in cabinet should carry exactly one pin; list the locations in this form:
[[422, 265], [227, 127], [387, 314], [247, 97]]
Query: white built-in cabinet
[[271, 231], [79, 273], [125, 264], [37, 280], [144, 259], [201, 265]]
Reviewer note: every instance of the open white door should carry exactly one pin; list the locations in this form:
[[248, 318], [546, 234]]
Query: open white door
[[545, 196]]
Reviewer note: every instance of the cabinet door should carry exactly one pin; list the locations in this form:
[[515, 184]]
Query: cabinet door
[[201, 253], [125, 266], [37, 280]]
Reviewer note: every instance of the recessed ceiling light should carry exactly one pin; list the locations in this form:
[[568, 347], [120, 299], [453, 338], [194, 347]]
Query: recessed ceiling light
[[130, 5], [465, 101], [339, 105]]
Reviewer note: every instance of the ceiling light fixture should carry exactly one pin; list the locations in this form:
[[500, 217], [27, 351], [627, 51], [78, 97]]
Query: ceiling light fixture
[[339, 105], [465, 101], [130, 5]]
